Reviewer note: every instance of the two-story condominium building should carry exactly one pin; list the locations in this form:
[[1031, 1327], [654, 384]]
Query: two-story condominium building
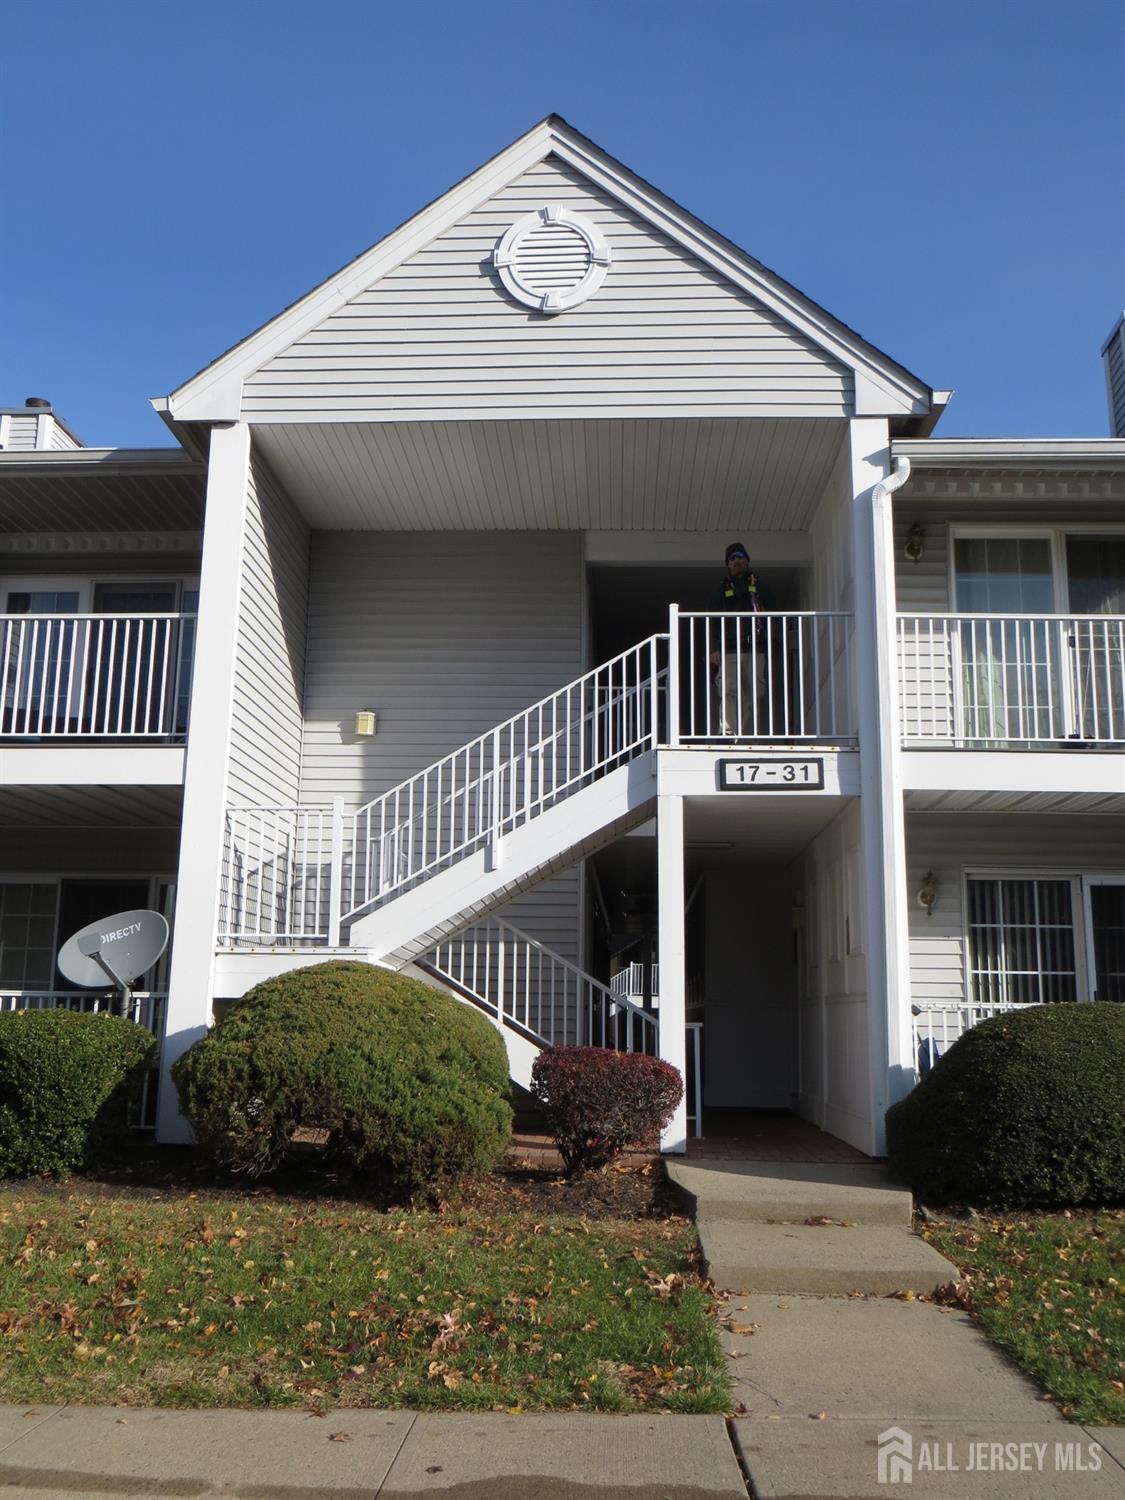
[[417, 651]]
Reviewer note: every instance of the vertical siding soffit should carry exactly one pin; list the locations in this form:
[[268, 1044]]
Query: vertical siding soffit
[[215, 393]]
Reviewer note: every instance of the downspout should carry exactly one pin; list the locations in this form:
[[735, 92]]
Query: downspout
[[897, 1007]]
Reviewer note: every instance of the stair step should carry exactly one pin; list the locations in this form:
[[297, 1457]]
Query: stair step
[[827, 1260], [790, 1192]]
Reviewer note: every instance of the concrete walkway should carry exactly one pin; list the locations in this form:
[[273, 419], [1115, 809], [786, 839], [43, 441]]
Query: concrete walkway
[[110, 1453], [824, 1383]]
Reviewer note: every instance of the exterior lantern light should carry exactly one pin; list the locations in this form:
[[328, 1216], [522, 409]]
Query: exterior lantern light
[[365, 722], [927, 892], [915, 542]]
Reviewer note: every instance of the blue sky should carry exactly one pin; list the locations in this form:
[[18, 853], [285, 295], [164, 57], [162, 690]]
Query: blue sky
[[945, 179]]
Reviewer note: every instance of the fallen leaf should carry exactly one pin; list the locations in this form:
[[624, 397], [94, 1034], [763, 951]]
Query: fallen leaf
[[339, 1437]]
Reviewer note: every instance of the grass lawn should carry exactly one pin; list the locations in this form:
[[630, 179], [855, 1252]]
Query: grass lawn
[[1050, 1289], [178, 1298]]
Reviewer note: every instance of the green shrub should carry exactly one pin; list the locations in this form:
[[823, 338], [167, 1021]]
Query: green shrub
[[1026, 1110], [65, 1084], [598, 1102], [410, 1084]]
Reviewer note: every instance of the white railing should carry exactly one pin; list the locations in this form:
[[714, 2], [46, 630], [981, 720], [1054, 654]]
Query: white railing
[[523, 982], [506, 777], [148, 1008], [629, 982], [282, 874], [937, 1025], [1003, 680], [765, 677], [95, 676]]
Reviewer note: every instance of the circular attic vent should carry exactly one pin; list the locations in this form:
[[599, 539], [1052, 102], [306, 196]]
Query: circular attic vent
[[552, 259]]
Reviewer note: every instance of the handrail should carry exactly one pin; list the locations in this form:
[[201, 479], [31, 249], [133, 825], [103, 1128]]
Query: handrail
[[523, 983], [504, 777]]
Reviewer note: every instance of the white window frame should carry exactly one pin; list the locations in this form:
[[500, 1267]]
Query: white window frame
[[1055, 535], [1080, 915]]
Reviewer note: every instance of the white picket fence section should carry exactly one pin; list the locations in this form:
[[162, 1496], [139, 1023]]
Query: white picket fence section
[[1019, 679], [937, 1025], [766, 676], [84, 676], [521, 980]]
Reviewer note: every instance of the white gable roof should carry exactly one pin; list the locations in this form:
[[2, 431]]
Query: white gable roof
[[419, 328]]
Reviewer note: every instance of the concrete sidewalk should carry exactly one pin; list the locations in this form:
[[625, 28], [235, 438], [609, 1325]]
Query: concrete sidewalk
[[111, 1453]]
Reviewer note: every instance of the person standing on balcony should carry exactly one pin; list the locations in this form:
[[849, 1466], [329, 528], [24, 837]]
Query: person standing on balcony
[[740, 661]]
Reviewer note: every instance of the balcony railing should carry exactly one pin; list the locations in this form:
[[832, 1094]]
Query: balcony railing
[[1008, 681], [765, 677], [938, 1024], [100, 677]]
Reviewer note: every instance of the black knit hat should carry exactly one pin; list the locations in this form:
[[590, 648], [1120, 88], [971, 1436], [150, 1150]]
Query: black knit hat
[[734, 548]]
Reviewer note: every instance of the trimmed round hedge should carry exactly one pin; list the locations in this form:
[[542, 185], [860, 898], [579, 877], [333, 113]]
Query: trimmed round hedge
[[1026, 1110], [410, 1084], [66, 1078]]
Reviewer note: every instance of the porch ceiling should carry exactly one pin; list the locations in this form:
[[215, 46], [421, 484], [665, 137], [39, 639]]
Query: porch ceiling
[[25, 809], [712, 474], [977, 801], [723, 832]]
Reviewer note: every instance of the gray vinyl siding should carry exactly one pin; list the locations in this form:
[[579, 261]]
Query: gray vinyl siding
[[265, 751], [444, 637], [949, 843], [438, 337], [1115, 380], [60, 438], [23, 433]]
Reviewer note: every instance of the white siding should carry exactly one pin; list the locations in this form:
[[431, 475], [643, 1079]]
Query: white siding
[[23, 432], [265, 753], [444, 637], [438, 336], [60, 438], [949, 843]]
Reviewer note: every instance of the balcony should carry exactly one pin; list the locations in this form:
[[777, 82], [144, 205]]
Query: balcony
[[1011, 682], [78, 678]]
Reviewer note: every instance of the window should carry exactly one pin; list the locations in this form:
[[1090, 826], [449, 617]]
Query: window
[[27, 934], [1021, 941]]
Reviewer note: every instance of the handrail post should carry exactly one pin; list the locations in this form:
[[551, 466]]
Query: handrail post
[[674, 676], [336, 873]]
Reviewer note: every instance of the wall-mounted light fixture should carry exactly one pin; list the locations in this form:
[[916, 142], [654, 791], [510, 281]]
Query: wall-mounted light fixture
[[927, 892], [915, 542], [365, 722]]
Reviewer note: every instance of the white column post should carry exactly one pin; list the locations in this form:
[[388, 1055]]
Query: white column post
[[674, 676], [673, 983], [336, 873], [191, 974], [882, 815]]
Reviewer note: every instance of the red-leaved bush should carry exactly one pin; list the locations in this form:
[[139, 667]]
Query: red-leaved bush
[[599, 1102]]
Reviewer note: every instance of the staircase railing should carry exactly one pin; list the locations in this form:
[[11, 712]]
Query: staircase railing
[[505, 777], [522, 982]]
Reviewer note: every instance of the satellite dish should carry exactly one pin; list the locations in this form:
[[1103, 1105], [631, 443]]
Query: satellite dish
[[114, 950]]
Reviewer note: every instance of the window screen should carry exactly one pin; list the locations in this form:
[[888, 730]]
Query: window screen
[[1021, 941]]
